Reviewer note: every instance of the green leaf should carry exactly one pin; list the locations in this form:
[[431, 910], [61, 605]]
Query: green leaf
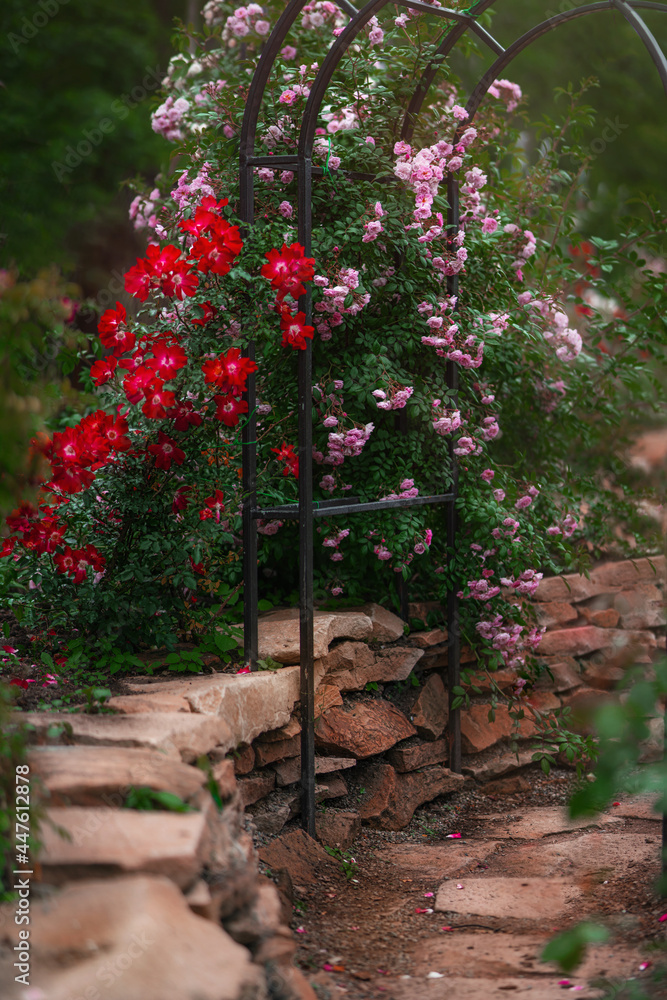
[[568, 949]]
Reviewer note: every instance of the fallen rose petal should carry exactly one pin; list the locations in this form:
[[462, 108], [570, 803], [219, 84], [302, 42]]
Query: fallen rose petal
[[355, 928], [428, 895], [435, 975], [327, 967], [453, 836], [645, 965], [564, 982], [616, 803], [446, 928], [663, 917], [577, 987], [419, 909], [459, 886], [301, 930]]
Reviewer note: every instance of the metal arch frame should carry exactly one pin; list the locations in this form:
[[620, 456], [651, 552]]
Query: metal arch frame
[[458, 23]]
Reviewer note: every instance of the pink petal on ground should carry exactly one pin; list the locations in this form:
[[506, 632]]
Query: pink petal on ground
[[564, 982], [327, 967], [301, 930], [428, 895], [459, 886], [446, 928], [453, 836], [645, 965], [663, 917], [616, 803]]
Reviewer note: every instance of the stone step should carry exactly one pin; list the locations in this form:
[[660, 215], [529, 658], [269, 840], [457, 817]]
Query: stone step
[[86, 842], [86, 775], [126, 939], [178, 734]]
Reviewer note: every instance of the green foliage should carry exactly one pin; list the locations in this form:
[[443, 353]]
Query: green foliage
[[60, 81], [149, 800], [348, 865], [568, 949]]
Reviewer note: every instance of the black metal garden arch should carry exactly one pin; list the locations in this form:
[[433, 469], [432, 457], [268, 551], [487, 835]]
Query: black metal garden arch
[[457, 23]]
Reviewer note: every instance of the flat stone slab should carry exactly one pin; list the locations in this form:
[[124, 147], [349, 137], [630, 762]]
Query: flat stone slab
[[601, 853], [180, 734], [279, 632], [85, 776], [523, 898], [528, 988], [121, 841], [498, 955], [542, 822], [496, 765], [436, 860], [637, 807], [131, 938], [250, 704]]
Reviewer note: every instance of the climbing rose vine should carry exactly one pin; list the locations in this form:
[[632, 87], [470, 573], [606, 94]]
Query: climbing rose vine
[[138, 533]]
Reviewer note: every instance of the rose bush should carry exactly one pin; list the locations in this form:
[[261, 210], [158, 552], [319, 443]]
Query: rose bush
[[138, 535]]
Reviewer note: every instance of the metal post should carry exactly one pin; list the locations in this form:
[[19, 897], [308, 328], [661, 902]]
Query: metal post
[[454, 642], [306, 610]]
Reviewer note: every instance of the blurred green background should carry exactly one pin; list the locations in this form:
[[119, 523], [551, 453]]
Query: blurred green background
[[65, 67]]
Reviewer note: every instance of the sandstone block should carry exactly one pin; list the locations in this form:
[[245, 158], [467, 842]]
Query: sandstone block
[[289, 771], [504, 679], [303, 858], [550, 613], [508, 786], [331, 786], [391, 798], [630, 571], [477, 733], [271, 814], [410, 758], [565, 672], [642, 607], [502, 763], [250, 704], [267, 753], [326, 696], [243, 758], [433, 637], [387, 627], [91, 776], [536, 899], [279, 637], [255, 787], [602, 617], [583, 703], [337, 828], [570, 588], [132, 704], [120, 841], [542, 701], [225, 778], [603, 676], [285, 732], [179, 734], [585, 639], [133, 937], [365, 729], [431, 709], [437, 657]]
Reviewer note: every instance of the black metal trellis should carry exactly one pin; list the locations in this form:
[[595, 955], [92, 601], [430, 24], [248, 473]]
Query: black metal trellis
[[457, 23]]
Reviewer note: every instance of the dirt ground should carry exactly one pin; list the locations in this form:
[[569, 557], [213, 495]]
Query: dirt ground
[[394, 924]]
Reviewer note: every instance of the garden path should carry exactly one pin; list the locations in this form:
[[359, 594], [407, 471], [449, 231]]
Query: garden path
[[467, 918]]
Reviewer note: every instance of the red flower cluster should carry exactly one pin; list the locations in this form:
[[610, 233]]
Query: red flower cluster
[[166, 451], [287, 269], [75, 562], [166, 270], [214, 507], [229, 373], [215, 251], [76, 453], [287, 455]]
